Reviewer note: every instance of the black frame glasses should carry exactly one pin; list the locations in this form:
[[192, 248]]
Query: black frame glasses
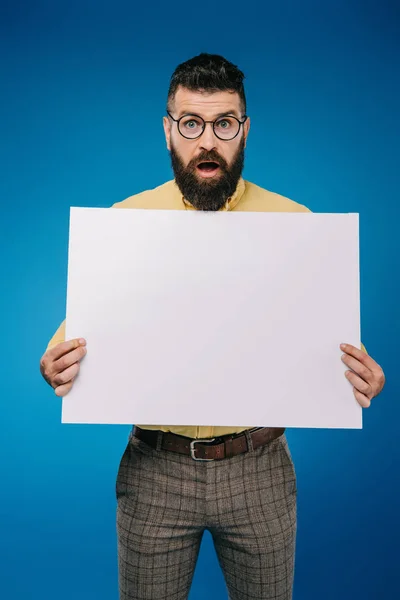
[[178, 121]]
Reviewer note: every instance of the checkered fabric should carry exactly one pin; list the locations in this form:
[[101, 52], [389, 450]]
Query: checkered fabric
[[165, 502]]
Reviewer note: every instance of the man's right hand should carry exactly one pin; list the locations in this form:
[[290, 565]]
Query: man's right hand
[[60, 365]]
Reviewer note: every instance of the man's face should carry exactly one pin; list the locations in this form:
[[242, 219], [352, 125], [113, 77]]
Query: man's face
[[206, 186]]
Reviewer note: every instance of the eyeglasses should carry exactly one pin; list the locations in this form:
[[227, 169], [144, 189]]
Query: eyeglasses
[[191, 127]]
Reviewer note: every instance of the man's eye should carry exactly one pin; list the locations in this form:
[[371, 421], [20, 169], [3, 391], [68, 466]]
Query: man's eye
[[224, 123], [191, 124]]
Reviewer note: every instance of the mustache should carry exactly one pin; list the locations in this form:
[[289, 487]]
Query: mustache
[[208, 156]]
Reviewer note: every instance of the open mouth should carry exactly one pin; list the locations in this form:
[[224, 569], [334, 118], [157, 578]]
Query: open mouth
[[207, 169]]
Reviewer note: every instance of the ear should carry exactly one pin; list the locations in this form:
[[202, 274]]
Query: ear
[[167, 131], [246, 130]]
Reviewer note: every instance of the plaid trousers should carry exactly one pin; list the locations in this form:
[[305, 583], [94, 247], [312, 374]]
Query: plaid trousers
[[165, 502]]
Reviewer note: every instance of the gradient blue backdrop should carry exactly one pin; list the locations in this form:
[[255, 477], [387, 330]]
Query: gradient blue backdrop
[[83, 91]]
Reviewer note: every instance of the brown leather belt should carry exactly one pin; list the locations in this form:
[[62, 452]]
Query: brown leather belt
[[208, 449]]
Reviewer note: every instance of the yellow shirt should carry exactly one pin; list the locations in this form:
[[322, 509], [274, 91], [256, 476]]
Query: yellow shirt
[[247, 197]]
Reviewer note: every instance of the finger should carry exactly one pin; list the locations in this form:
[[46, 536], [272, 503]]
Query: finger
[[362, 399], [65, 347], [359, 368], [66, 376], [365, 359], [62, 390], [69, 359], [360, 385]]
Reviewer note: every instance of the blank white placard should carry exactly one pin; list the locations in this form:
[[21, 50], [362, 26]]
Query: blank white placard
[[204, 318]]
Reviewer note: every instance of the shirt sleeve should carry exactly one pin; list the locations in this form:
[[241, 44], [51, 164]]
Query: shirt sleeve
[[58, 337]]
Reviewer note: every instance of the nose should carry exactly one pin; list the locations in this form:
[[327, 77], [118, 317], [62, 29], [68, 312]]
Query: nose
[[208, 138]]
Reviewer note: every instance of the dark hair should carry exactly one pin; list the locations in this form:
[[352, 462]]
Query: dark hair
[[208, 72]]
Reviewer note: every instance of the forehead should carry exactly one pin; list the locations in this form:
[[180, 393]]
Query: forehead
[[205, 103]]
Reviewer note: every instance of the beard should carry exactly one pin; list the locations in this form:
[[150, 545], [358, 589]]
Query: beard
[[208, 193]]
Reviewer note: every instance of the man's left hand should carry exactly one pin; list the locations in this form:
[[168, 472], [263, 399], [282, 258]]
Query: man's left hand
[[366, 375]]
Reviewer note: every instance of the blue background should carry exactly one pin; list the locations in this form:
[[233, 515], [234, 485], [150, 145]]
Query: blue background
[[83, 92]]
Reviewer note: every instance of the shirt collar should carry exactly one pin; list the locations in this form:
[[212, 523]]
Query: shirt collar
[[230, 203]]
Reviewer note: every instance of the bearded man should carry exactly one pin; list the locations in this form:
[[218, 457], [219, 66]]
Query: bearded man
[[175, 482]]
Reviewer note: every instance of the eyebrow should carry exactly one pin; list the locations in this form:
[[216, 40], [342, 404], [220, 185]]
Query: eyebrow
[[218, 116]]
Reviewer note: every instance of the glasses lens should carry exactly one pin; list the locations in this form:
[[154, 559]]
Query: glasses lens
[[226, 128], [191, 126]]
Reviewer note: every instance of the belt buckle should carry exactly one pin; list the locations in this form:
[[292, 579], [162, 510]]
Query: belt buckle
[[192, 449]]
